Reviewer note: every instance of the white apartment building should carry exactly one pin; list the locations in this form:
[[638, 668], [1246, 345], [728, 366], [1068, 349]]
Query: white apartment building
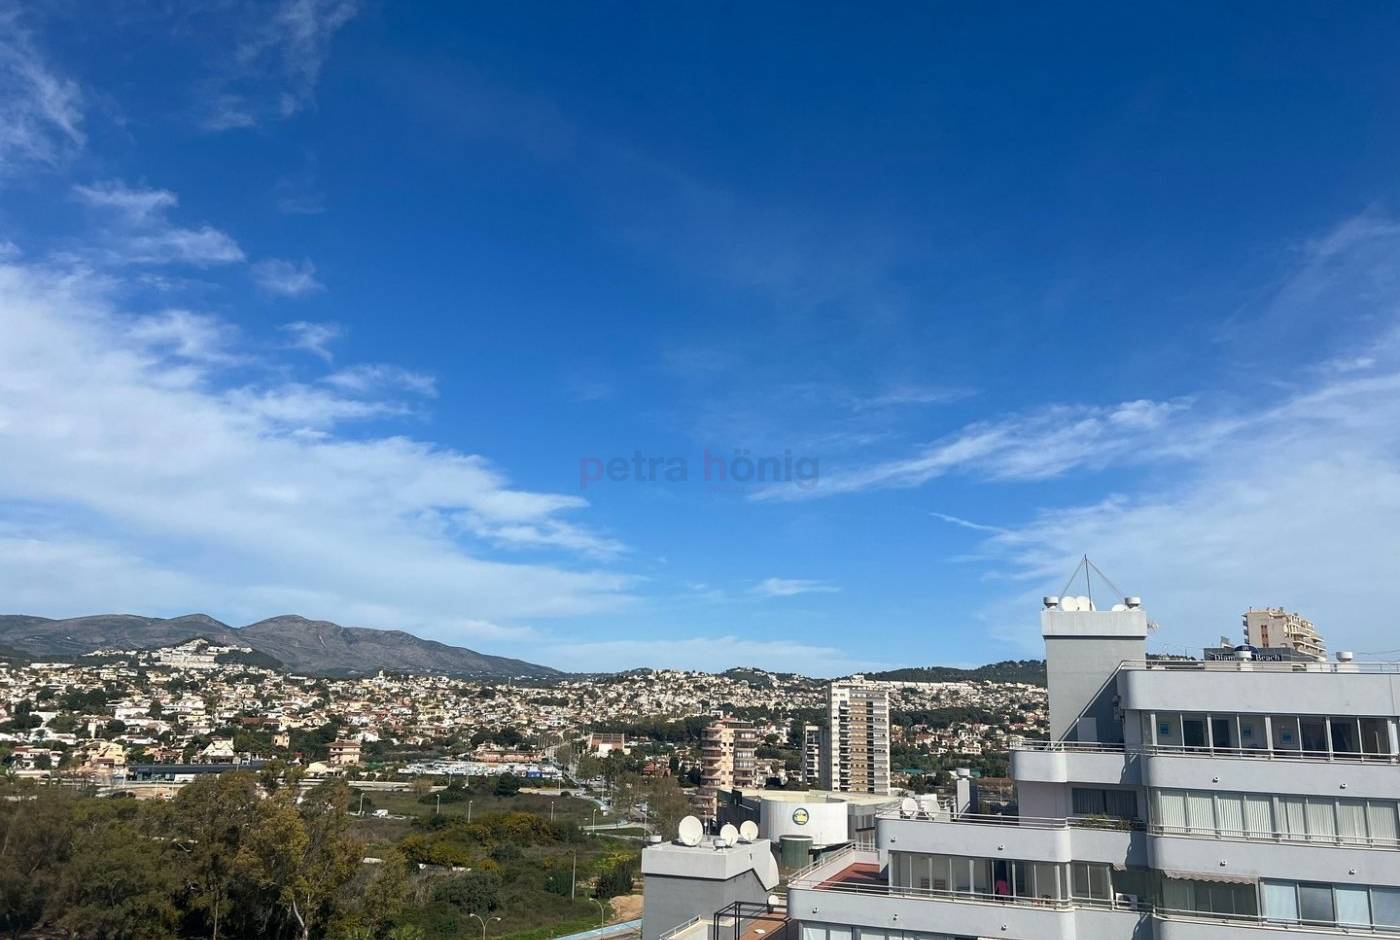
[[727, 761], [1174, 800], [857, 754], [1274, 628]]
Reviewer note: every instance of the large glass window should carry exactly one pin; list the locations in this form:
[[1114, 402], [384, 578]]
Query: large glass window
[[1375, 735], [1385, 907], [1097, 801], [1353, 905], [1280, 901], [1315, 904], [1090, 880], [1314, 732]]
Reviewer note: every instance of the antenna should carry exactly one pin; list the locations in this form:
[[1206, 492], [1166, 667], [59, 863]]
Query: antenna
[[690, 831], [908, 808], [748, 830], [728, 834]]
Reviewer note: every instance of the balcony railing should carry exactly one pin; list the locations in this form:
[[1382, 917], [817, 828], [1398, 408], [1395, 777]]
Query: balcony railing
[[1026, 822], [1182, 750], [1255, 665], [1292, 927], [819, 876]]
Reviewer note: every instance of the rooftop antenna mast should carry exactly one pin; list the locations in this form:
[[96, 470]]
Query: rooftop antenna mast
[[1088, 567]]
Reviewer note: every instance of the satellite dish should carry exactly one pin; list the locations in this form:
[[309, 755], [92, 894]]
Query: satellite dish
[[728, 834], [908, 807], [1069, 604], [928, 805], [690, 831], [748, 830]]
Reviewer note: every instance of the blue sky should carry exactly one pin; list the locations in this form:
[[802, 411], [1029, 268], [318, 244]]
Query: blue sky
[[344, 308]]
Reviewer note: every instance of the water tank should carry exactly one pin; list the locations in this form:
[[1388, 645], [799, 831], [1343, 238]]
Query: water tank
[[795, 851]]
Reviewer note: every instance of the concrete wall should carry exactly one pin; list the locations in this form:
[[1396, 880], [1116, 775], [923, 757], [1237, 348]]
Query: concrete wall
[[1083, 650], [964, 918], [1279, 775], [1285, 693], [669, 901], [1084, 768]]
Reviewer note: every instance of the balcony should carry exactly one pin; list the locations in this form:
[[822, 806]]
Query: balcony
[[850, 888], [1229, 768], [1078, 838]]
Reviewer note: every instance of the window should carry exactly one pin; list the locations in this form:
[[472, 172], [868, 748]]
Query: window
[[1375, 736], [1089, 880], [1315, 904], [1344, 736], [1280, 901], [1385, 907], [1088, 801], [1353, 905], [1314, 732]]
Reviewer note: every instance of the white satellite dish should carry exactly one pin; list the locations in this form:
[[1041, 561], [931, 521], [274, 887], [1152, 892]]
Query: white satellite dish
[[748, 830], [928, 805], [690, 831], [728, 834], [908, 807]]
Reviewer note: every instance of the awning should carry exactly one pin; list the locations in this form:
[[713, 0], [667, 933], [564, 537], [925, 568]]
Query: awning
[[1209, 876]]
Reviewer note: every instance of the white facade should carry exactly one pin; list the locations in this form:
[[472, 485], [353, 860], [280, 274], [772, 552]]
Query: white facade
[[1175, 800]]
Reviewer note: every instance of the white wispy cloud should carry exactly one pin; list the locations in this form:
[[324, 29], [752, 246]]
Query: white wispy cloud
[[277, 63], [139, 230], [1293, 500], [41, 111], [315, 338], [376, 377], [130, 460], [1036, 445], [791, 587], [287, 278]]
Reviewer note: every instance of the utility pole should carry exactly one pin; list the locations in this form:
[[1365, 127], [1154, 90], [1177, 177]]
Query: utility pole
[[362, 802], [438, 809], [469, 810], [573, 878]]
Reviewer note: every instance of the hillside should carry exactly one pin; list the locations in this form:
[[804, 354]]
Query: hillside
[[312, 646], [1031, 671]]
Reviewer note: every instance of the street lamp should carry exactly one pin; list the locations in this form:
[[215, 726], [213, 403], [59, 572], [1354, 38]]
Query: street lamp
[[482, 921], [469, 819], [602, 912], [594, 828]]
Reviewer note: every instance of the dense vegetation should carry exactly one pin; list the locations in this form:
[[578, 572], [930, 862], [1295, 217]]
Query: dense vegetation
[[241, 855], [1031, 671]]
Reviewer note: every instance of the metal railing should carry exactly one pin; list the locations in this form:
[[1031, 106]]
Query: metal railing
[[1183, 750], [1116, 903], [833, 862], [1256, 665], [1086, 821], [1261, 921], [683, 927], [1287, 838]]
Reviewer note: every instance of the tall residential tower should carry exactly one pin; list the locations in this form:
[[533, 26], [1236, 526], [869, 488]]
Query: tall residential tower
[[857, 756]]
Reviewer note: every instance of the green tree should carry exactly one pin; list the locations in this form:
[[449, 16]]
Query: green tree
[[36, 829], [302, 856], [118, 885], [474, 892], [211, 816], [507, 784]]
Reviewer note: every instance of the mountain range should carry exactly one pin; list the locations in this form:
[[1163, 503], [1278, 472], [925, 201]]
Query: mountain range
[[307, 646]]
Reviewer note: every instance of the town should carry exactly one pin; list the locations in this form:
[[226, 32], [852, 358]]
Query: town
[[125, 716]]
